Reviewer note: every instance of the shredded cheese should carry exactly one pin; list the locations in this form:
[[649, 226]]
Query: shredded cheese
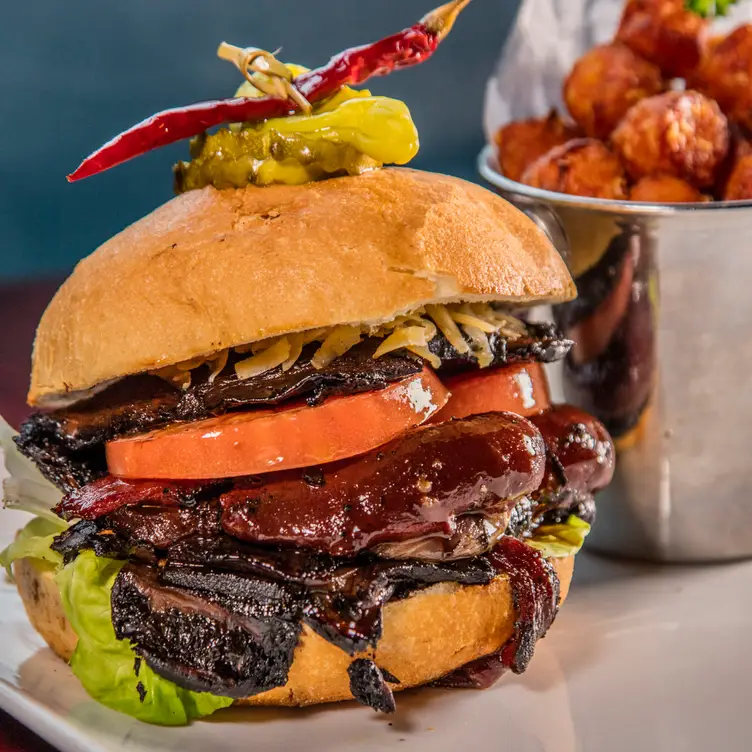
[[264, 360], [296, 348], [218, 364], [176, 376], [426, 354], [480, 347], [407, 336], [189, 365], [445, 322], [470, 320], [337, 343], [466, 327]]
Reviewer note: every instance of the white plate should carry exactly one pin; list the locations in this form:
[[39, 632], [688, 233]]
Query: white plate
[[640, 659]]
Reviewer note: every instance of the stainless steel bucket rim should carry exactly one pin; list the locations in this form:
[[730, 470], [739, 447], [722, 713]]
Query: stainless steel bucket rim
[[488, 168]]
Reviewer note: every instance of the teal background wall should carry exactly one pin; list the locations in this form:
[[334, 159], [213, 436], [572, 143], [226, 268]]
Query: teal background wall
[[73, 74]]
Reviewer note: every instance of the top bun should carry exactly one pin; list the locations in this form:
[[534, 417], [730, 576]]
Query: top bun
[[214, 269]]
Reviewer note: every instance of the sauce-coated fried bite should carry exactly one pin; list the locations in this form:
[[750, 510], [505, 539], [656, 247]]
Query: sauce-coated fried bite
[[520, 143], [739, 185], [665, 189], [679, 133], [664, 32], [726, 75], [581, 167], [604, 83]]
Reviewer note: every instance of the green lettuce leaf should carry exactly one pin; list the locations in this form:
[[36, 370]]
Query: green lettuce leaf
[[33, 542], [561, 540], [107, 667]]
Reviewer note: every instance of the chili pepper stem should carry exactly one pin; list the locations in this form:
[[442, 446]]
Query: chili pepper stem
[[254, 64], [254, 60], [440, 20], [230, 52]]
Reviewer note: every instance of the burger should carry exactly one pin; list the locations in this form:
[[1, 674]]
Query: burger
[[294, 444], [307, 452]]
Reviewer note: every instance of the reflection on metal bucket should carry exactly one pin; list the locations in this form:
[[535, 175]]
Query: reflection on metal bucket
[[663, 352], [610, 372]]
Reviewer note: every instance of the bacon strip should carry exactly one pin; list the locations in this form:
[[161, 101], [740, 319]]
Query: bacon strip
[[109, 494]]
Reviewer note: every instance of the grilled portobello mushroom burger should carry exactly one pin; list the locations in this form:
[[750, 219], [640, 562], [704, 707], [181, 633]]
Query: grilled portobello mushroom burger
[[307, 452], [300, 444]]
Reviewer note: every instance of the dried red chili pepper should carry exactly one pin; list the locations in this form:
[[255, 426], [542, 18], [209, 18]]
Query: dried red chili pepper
[[351, 67]]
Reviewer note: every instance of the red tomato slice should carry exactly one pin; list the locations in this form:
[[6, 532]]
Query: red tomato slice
[[521, 389], [264, 440]]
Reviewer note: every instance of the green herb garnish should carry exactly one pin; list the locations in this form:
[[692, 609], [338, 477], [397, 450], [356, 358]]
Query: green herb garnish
[[709, 8]]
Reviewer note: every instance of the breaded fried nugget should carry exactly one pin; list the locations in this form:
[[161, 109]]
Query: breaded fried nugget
[[665, 33], [665, 189], [520, 143], [739, 185], [726, 75], [581, 167], [604, 83], [679, 133]]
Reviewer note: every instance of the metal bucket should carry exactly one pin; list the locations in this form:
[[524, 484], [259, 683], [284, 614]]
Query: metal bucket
[[663, 325]]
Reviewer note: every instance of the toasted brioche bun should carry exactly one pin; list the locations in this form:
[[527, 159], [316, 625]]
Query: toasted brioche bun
[[216, 269], [426, 636]]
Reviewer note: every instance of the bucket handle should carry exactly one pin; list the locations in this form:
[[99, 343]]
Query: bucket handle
[[548, 220]]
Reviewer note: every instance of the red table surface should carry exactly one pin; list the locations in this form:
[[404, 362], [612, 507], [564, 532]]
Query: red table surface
[[15, 738], [20, 308]]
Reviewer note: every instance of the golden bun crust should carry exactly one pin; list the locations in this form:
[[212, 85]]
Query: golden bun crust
[[41, 598], [216, 269], [426, 636]]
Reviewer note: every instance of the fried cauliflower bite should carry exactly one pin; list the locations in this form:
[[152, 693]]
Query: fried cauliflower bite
[[665, 189], [739, 185], [604, 83], [665, 33], [679, 133], [520, 143], [726, 75], [581, 167]]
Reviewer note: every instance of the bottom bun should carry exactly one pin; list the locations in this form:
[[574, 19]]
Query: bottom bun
[[426, 635]]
